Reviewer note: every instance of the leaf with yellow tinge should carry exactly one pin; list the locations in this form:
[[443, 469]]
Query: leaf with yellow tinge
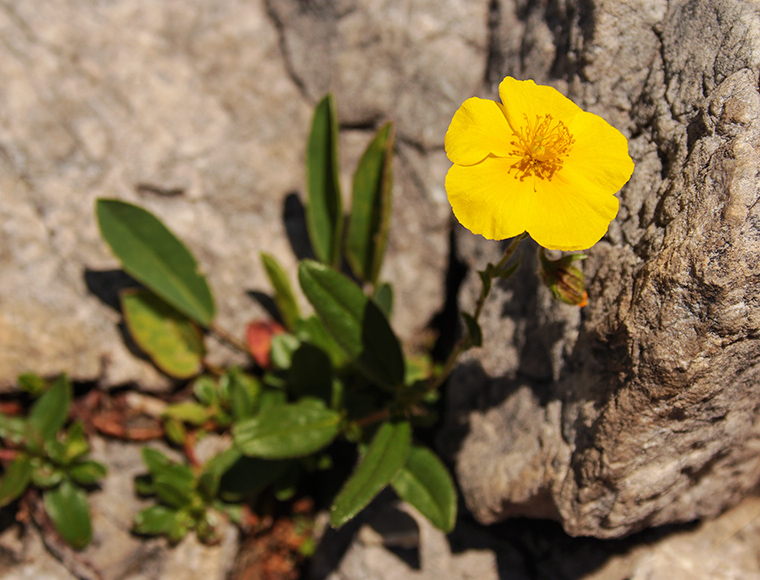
[[171, 340]]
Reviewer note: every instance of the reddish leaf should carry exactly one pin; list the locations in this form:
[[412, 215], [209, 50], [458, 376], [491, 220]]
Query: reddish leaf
[[259, 335]]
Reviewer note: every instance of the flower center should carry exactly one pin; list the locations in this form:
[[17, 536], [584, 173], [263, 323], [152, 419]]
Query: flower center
[[541, 147]]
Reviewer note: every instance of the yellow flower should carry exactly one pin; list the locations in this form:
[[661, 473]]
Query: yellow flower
[[537, 163]]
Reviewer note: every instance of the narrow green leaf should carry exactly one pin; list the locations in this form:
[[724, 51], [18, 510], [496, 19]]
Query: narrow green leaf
[[153, 255], [283, 291], [50, 411], [425, 483], [324, 210], [355, 322], [67, 507], [383, 459], [172, 341], [384, 298], [154, 520], [287, 431], [371, 207], [87, 472], [15, 479]]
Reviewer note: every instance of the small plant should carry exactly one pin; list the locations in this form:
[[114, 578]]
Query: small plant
[[52, 459]]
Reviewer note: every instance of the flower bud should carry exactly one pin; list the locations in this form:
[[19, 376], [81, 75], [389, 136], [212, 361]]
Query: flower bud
[[564, 280]]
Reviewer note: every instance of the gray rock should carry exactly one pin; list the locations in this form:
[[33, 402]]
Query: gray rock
[[200, 113], [640, 409]]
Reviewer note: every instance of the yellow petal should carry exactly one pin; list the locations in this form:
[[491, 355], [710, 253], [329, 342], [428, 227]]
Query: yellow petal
[[487, 200], [526, 98], [600, 152], [574, 211], [477, 130]]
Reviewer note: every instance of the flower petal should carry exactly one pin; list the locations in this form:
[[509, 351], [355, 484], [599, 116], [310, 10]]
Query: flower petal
[[527, 99], [488, 201], [600, 152], [477, 130], [575, 211]]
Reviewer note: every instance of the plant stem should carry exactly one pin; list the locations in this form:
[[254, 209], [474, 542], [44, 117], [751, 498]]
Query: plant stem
[[485, 289]]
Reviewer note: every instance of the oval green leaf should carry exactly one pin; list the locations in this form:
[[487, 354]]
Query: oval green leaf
[[355, 322], [154, 520], [67, 507], [371, 207], [15, 479], [50, 411], [324, 210], [383, 459], [283, 291], [87, 472], [425, 483], [287, 431], [172, 341], [151, 254]]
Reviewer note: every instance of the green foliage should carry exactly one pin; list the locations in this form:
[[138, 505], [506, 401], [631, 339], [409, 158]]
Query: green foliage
[[150, 253], [52, 459], [371, 207], [338, 373], [324, 211], [384, 458]]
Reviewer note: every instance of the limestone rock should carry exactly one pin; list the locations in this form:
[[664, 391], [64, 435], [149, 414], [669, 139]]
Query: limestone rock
[[642, 408]]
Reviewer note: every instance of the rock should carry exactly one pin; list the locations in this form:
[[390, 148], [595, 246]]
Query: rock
[[725, 549], [640, 409], [200, 114]]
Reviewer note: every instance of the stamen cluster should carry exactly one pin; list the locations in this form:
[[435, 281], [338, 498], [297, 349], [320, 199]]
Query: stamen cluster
[[542, 148]]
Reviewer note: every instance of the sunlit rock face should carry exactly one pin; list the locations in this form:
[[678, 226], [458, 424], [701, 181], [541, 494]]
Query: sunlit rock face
[[641, 408]]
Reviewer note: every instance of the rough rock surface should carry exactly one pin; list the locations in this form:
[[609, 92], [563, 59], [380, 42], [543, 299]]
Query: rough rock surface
[[200, 113], [642, 408]]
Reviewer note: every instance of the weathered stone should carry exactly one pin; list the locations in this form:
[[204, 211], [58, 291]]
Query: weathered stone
[[640, 409], [200, 113]]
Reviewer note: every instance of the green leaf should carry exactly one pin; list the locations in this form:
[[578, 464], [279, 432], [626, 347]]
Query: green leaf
[[248, 476], [215, 468], [283, 347], [384, 298], [87, 472], [324, 210], [32, 383], [151, 254], [312, 330], [67, 507], [174, 485], [283, 291], [154, 520], [287, 431], [76, 444], [371, 207], [310, 373], [425, 483], [189, 412], [155, 460], [50, 411], [205, 390], [355, 322], [45, 475], [474, 334], [15, 479], [175, 431], [172, 341], [13, 429], [383, 459], [245, 392]]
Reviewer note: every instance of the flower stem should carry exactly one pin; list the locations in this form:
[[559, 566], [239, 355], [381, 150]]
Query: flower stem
[[485, 289]]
